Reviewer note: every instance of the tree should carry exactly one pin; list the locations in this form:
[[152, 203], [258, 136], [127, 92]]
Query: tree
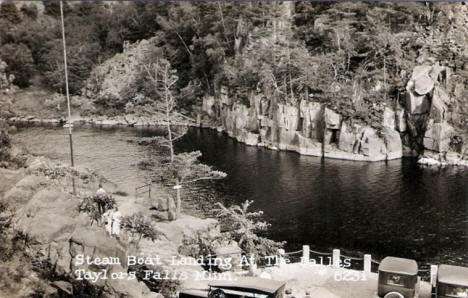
[[185, 169], [245, 227], [5, 146], [9, 13], [20, 62], [30, 10], [163, 79]]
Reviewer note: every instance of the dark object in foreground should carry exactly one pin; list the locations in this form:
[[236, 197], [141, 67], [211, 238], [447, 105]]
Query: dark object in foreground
[[398, 278], [452, 281], [242, 287]]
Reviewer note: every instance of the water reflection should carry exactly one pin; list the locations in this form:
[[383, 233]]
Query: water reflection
[[385, 208]]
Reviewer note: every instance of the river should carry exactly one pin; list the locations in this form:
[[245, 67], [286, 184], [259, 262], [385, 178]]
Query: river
[[396, 208]]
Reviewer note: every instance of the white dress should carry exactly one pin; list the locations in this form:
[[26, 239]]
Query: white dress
[[107, 218], [116, 218]]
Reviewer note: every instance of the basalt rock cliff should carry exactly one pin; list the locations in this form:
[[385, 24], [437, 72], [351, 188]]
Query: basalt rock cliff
[[427, 122]]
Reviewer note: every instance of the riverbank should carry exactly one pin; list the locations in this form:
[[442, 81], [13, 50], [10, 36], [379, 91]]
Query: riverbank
[[431, 159], [41, 190], [86, 137], [308, 129]]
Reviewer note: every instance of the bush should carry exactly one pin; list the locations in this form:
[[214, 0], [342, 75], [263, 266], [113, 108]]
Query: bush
[[96, 206], [245, 227], [203, 244], [5, 147], [20, 62], [9, 13], [137, 224]]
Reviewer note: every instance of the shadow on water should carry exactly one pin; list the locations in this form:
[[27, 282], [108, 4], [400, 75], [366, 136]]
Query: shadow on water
[[385, 208]]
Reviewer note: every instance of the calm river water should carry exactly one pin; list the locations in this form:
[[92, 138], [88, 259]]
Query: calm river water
[[396, 208]]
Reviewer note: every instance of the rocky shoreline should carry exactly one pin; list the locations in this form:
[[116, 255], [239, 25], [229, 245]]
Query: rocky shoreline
[[41, 190], [424, 124], [392, 145]]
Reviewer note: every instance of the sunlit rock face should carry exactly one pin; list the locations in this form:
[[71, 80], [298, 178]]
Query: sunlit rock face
[[432, 106], [428, 116], [308, 127], [426, 122]]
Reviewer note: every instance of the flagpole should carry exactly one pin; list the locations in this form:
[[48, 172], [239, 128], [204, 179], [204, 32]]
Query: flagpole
[[68, 95]]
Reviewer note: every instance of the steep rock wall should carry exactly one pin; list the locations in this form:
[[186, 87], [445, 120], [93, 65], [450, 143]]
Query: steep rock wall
[[427, 123], [308, 127], [435, 114]]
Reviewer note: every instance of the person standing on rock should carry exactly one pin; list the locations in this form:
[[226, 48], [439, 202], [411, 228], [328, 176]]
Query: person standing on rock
[[116, 219], [101, 194]]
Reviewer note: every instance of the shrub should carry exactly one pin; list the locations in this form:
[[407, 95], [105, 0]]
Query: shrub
[[137, 224], [245, 227], [5, 147], [20, 62], [96, 206]]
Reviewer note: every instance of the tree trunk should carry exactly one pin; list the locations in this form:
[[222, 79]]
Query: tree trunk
[[168, 116], [178, 202]]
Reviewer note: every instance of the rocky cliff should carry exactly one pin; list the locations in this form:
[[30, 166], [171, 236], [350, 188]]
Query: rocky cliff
[[53, 236], [428, 122], [370, 91], [55, 233], [424, 115]]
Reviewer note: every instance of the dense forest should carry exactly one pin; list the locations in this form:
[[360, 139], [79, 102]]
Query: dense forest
[[353, 57], [346, 43]]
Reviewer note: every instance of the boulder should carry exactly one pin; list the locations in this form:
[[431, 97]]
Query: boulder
[[251, 139], [94, 242], [438, 107], [63, 286], [311, 114], [8, 178], [327, 137], [34, 217], [286, 139], [17, 197], [437, 137], [393, 143], [287, 117], [161, 204], [347, 138], [332, 119], [371, 145], [453, 157], [423, 82], [128, 287], [209, 106], [32, 182], [417, 104], [388, 118], [308, 146], [401, 120]]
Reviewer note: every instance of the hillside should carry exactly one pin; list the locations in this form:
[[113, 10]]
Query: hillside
[[364, 81]]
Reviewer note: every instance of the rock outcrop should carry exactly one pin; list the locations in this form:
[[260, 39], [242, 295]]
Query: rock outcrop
[[432, 120], [117, 79], [56, 233], [309, 128], [424, 123]]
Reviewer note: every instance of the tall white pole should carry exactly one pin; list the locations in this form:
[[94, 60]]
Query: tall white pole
[[66, 89]]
